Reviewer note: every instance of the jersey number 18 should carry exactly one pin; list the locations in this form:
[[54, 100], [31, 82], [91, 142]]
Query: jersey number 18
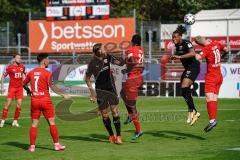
[[217, 56]]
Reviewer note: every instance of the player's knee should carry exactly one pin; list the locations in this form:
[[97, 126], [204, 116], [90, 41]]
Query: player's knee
[[105, 115], [184, 85], [131, 103], [51, 121], [7, 104], [114, 110], [211, 97], [34, 123]]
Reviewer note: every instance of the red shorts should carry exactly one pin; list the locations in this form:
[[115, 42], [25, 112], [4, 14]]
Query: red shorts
[[132, 85], [213, 84], [42, 105], [15, 92]]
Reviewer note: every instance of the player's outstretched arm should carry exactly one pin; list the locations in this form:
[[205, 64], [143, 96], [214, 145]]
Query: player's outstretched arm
[[172, 57], [58, 91], [190, 54], [92, 96], [116, 60]]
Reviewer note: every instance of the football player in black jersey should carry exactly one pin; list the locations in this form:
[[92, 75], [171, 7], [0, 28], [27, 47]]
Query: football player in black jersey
[[185, 52], [105, 91]]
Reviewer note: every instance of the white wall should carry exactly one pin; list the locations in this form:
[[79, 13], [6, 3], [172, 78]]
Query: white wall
[[215, 28]]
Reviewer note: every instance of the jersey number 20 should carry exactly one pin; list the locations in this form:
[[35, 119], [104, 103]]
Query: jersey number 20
[[140, 57]]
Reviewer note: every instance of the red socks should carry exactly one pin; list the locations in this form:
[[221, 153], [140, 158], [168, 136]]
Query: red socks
[[54, 133], [33, 135], [212, 109], [136, 122], [17, 113], [4, 113]]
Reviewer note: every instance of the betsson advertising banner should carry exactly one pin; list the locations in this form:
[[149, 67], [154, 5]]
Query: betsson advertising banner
[[78, 36]]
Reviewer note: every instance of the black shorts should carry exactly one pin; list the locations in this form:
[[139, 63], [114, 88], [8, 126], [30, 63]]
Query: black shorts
[[190, 73], [106, 98]]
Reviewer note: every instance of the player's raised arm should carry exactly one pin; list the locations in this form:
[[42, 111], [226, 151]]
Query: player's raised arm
[[191, 53], [117, 61]]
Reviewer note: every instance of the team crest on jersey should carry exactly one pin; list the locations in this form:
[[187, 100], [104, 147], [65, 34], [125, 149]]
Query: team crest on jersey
[[21, 69], [188, 73], [180, 47], [105, 60]]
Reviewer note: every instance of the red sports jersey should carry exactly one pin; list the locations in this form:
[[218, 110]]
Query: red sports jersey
[[40, 80], [212, 53], [15, 73], [135, 57]]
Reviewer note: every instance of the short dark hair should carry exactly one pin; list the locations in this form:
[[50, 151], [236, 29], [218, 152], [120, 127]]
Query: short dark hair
[[96, 48], [16, 54], [136, 40], [41, 57]]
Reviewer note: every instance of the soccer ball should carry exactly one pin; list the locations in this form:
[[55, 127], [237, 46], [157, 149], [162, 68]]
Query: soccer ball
[[189, 19]]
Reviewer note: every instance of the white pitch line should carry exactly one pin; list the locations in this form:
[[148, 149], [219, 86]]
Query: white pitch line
[[233, 149]]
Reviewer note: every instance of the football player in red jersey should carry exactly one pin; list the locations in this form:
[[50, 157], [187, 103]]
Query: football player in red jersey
[[15, 89], [134, 80], [40, 81], [212, 52]]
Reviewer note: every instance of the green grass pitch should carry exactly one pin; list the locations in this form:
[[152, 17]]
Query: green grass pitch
[[166, 134]]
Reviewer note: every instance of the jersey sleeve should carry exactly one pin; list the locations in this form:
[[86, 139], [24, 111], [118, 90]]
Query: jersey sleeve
[[189, 45], [6, 73], [27, 79], [130, 56], [220, 46], [203, 54], [50, 79], [24, 70]]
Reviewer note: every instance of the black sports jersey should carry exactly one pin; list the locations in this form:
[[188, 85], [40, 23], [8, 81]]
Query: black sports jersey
[[100, 69], [184, 48]]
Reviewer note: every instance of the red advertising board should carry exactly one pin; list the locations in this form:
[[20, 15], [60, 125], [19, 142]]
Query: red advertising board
[[78, 36], [233, 41]]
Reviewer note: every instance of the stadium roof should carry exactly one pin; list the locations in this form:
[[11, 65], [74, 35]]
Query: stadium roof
[[219, 14]]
